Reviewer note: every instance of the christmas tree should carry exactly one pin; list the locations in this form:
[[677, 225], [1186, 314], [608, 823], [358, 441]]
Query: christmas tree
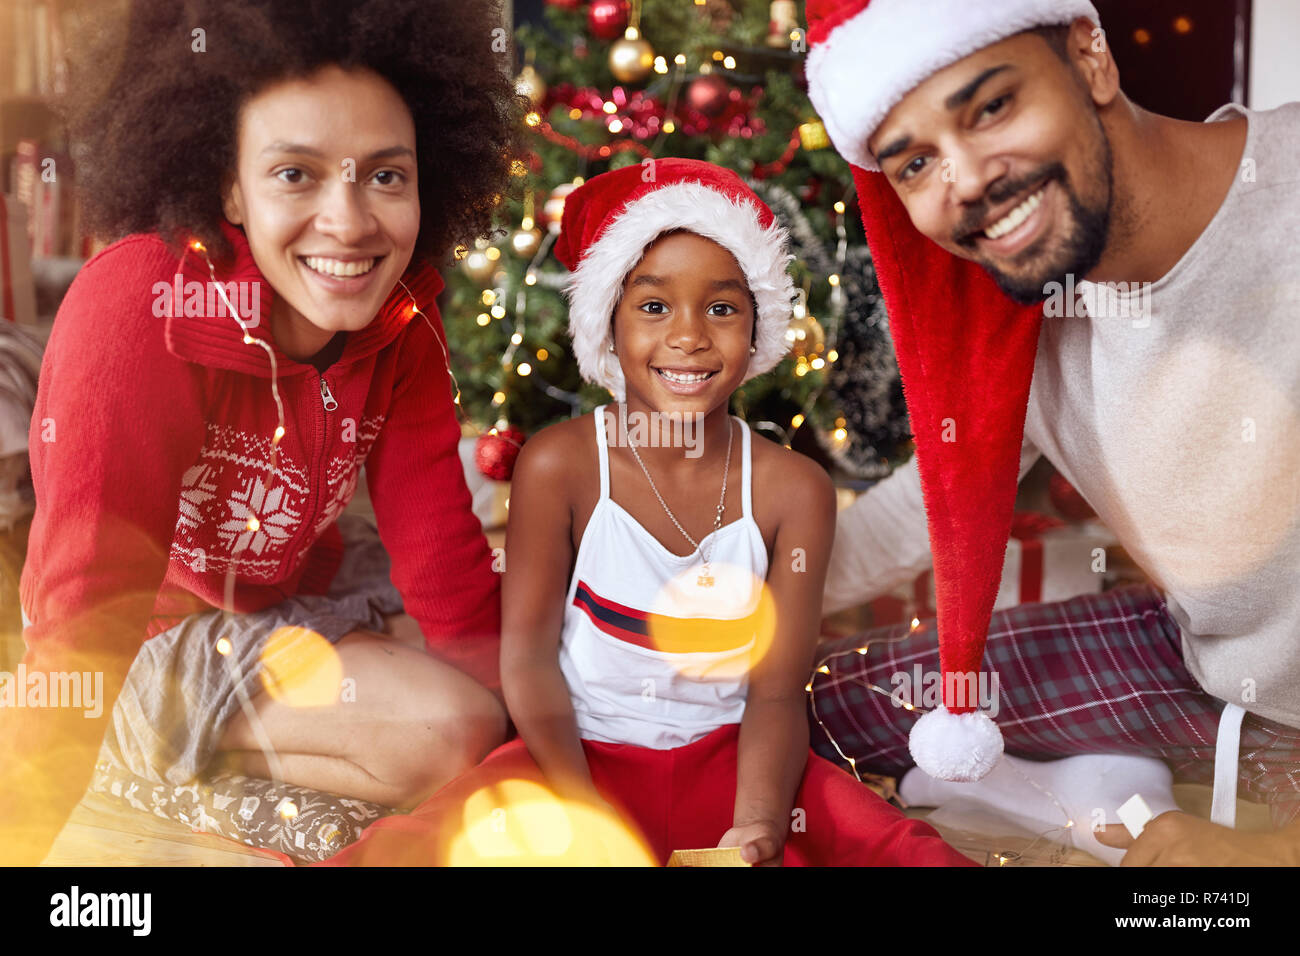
[[613, 82]]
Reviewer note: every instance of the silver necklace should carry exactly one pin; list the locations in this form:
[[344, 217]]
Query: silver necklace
[[705, 580]]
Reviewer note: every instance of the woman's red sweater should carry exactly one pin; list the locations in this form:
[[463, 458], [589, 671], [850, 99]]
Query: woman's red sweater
[[150, 448]]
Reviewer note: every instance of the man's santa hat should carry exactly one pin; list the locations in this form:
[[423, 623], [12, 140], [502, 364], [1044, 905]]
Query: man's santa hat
[[611, 219], [965, 350]]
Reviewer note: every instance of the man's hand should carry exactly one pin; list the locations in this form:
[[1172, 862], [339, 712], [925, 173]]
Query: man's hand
[[1180, 839], [761, 843]]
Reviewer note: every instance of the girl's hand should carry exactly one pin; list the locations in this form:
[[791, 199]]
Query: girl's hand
[[761, 843]]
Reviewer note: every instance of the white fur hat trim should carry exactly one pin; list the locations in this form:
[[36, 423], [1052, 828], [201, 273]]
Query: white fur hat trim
[[874, 59]]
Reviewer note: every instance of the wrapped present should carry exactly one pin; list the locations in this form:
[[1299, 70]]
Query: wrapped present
[[17, 289], [1048, 560], [490, 497]]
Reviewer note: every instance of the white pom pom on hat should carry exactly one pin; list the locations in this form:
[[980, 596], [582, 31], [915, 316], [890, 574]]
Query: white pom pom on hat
[[961, 747]]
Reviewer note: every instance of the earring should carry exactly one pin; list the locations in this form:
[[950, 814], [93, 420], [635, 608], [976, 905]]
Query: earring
[[611, 346], [753, 349]]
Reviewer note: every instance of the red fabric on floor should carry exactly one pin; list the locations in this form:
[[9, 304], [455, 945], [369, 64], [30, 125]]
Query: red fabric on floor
[[677, 799]]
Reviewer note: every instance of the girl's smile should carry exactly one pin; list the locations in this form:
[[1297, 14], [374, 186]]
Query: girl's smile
[[685, 381]]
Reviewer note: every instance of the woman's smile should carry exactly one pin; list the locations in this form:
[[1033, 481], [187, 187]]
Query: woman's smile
[[342, 276]]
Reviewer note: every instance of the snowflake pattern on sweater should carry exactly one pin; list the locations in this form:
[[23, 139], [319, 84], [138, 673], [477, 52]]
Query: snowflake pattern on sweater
[[278, 502], [341, 475]]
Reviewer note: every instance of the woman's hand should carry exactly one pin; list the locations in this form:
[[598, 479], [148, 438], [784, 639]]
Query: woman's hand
[[761, 843]]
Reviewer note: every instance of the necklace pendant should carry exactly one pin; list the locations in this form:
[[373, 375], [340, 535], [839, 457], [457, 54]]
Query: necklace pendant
[[705, 580]]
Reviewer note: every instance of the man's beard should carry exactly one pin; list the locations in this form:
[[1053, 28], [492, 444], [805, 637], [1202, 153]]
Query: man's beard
[[1081, 249]]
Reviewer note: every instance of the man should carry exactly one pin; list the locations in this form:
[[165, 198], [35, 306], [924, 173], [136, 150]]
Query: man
[[1070, 275]]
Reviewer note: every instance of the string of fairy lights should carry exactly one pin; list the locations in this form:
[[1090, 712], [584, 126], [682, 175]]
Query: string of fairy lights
[[1003, 857], [287, 808]]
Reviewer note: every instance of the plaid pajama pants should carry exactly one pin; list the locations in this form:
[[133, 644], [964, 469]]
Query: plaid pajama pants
[[1101, 673]]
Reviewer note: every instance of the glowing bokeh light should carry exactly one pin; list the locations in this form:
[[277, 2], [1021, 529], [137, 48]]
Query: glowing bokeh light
[[301, 668], [523, 823], [716, 633]]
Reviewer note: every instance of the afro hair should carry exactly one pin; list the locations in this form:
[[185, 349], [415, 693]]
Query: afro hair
[[153, 104]]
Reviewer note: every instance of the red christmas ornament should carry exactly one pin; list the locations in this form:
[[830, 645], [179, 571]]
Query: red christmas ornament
[[607, 19], [495, 455], [1067, 500], [708, 94], [811, 191]]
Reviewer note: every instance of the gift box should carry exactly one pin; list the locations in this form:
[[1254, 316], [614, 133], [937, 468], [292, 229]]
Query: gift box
[[490, 497], [1047, 560]]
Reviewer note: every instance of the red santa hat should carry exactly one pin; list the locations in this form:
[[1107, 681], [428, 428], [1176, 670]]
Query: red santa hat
[[864, 57], [965, 350], [609, 221]]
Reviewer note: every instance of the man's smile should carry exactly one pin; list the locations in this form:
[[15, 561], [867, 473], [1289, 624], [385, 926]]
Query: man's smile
[[1014, 218], [1005, 210], [1017, 229]]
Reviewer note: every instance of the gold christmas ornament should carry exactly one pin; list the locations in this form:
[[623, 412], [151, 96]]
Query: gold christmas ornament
[[529, 84], [527, 239], [478, 264], [812, 135], [553, 209], [631, 59], [806, 337], [782, 20], [525, 242]]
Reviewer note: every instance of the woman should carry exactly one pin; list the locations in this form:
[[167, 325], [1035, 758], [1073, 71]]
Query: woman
[[202, 437]]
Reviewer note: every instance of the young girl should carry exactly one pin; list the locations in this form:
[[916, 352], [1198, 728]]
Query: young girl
[[664, 569], [320, 156]]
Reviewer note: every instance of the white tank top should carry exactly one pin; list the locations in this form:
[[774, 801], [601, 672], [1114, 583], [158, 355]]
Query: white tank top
[[652, 657]]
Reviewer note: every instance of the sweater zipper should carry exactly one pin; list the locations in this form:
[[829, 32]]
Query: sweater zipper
[[326, 396], [329, 403]]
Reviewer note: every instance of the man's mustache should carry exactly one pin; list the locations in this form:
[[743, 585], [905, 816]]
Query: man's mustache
[[972, 223]]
